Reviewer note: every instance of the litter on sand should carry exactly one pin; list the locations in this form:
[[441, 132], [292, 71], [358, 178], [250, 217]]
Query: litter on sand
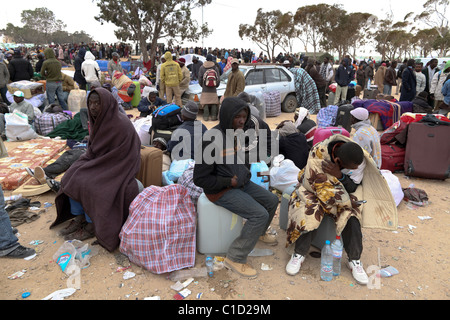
[[60, 294]]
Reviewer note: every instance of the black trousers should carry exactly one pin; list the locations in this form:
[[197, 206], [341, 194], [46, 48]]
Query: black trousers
[[322, 96], [63, 163], [351, 236]]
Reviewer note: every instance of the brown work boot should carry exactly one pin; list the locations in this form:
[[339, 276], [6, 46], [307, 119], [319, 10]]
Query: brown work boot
[[243, 269], [77, 223], [86, 232], [269, 239]]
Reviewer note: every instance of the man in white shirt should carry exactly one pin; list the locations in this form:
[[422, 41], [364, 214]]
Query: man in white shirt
[[326, 70], [420, 77]]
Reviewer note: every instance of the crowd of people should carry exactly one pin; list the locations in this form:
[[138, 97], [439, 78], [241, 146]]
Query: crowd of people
[[331, 170]]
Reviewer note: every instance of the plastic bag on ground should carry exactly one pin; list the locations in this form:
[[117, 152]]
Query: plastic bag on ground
[[394, 185]]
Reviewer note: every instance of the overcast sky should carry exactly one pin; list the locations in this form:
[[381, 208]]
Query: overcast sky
[[223, 16]]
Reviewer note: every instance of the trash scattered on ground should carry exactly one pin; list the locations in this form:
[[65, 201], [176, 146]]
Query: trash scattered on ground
[[47, 205], [128, 275], [26, 295], [182, 294], [17, 274], [122, 269], [153, 298], [60, 294], [424, 217], [410, 228], [36, 242], [388, 271], [218, 263], [178, 286], [266, 267], [75, 253], [199, 295]]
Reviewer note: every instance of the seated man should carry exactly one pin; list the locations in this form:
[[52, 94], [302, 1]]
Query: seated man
[[324, 189], [148, 104], [366, 135], [420, 103], [225, 179], [180, 142], [305, 125], [23, 106]]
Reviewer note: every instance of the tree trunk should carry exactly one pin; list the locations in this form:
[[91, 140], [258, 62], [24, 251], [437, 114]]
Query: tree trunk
[[143, 45]]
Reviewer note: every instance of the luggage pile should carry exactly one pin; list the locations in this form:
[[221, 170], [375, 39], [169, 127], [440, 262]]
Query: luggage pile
[[418, 145]]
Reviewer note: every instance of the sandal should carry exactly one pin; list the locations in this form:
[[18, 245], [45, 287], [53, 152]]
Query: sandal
[[54, 185]]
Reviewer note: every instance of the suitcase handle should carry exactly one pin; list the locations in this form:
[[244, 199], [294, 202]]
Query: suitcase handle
[[336, 131]]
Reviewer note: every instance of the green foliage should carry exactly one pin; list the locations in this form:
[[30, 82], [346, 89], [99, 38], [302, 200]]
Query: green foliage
[[148, 21]]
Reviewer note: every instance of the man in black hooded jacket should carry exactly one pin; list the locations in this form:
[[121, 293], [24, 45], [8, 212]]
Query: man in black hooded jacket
[[20, 68], [224, 176], [78, 76]]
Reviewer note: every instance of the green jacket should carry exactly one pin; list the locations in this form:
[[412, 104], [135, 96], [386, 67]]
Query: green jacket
[[51, 68]]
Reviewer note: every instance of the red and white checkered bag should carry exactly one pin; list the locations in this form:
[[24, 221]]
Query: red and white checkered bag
[[160, 232]]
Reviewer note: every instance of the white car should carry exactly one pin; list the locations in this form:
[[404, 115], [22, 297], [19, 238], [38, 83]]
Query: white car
[[258, 78]]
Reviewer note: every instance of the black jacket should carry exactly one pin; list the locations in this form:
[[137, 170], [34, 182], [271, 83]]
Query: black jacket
[[20, 69], [78, 77], [295, 148], [215, 177]]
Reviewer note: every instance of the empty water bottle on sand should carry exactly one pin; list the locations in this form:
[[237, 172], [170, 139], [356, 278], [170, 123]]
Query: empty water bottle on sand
[[13, 197], [337, 248], [210, 265], [326, 269]]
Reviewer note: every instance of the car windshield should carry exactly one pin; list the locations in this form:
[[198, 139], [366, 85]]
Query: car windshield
[[224, 76]]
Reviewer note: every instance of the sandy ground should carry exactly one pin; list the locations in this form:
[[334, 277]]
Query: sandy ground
[[420, 254]]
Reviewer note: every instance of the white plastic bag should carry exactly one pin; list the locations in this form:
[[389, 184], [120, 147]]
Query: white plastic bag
[[284, 176], [394, 185], [17, 127], [142, 126]]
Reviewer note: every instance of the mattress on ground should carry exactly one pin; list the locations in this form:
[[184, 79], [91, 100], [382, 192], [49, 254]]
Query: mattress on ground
[[32, 153]]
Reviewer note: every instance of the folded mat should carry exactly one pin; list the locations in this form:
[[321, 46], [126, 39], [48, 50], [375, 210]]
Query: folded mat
[[31, 153]]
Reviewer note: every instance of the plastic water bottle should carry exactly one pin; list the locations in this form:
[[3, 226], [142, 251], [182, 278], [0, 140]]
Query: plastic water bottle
[[326, 270], [337, 248], [210, 266], [13, 197]]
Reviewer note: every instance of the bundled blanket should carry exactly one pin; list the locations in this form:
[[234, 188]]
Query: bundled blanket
[[389, 111]]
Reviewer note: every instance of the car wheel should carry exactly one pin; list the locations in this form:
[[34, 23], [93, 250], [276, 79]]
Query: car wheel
[[289, 104]]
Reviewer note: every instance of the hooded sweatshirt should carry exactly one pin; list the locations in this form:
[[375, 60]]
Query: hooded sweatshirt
[[90, 69], [215, 178], [171, 74], [78, 77], [51, 68]]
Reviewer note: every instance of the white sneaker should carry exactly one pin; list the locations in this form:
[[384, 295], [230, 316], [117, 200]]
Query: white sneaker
[[293, 266], [358, 272]]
